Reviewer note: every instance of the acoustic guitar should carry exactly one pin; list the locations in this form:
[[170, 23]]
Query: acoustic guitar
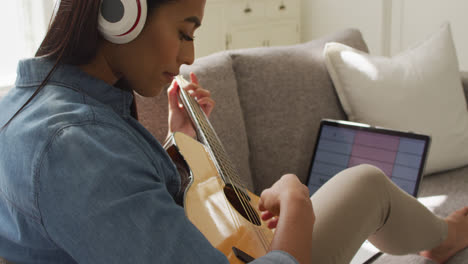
[[212, 194]]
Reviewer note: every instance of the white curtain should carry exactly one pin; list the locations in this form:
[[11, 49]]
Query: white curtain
[[23, 24]]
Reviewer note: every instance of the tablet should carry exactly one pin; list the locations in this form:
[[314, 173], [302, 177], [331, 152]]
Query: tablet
[[342, 144]]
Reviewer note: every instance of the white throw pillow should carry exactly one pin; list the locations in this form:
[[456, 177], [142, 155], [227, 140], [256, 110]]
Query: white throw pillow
[[418, 90]]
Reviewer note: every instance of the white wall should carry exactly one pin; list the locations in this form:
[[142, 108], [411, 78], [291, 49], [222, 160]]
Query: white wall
[[321, 17], [388, 26], [416, 19]]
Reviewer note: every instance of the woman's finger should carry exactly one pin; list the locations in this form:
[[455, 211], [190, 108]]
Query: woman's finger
[[266, 215], [196, 91], [207, 104], [273, 223], [269, 201], [271, 218], [200, 92], [172, 95], [193, 78]]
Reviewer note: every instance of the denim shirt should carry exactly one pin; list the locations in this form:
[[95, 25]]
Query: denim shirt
[[82, 181]]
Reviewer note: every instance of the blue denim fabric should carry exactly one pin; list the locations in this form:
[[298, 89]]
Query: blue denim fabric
[[82, 181]]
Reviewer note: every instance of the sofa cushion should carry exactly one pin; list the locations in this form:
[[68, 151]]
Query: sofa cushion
[[418, 90], [152, 114], [215, 74], [284, 93]]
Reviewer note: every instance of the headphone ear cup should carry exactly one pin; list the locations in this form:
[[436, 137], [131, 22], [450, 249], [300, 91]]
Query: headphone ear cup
[[121, 21]]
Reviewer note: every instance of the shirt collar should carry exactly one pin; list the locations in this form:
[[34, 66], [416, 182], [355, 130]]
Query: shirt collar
[[31, 72]]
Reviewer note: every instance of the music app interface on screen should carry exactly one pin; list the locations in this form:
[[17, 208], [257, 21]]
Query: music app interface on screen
[[340, 148]]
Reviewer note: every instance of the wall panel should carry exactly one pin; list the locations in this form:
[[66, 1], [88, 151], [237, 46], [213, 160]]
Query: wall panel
[[388, 26], [321, 17], [414, 20]]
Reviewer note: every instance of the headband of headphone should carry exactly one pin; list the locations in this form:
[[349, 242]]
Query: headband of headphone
[[120, 21]]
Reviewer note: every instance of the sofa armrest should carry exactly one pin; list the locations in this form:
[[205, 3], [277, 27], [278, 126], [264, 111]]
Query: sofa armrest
[[464, 77]]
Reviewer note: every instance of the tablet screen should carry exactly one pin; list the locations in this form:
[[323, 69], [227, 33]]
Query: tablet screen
[[401, 155]]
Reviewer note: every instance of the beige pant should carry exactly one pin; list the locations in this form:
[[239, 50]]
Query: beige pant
[[362, 203]]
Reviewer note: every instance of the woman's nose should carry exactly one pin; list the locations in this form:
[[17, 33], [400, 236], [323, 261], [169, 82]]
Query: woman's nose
[[187, 54]]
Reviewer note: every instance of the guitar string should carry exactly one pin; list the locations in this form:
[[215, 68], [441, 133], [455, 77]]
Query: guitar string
[[251, 213], [248, 209], [191, 108], [196, 112], [204, 130], [215, 150], [192, 105], [231, 171], [213, 143]]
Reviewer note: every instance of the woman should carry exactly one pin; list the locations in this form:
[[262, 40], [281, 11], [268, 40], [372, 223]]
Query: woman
[[82, 181]]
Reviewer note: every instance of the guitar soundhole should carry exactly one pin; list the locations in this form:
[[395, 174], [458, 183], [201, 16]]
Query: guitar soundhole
[[241, 202]]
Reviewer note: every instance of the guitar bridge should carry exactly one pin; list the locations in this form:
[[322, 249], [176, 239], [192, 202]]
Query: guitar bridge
[[246, 258]]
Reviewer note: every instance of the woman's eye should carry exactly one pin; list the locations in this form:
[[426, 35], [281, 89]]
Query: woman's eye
[[185, 37]]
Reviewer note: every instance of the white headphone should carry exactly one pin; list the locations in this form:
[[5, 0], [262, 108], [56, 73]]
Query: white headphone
[[120, 21]]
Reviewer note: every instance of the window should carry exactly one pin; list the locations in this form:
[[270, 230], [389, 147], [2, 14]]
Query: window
[[23, 24]]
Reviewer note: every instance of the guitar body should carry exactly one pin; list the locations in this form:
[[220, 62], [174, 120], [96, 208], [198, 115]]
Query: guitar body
[[211, 207]]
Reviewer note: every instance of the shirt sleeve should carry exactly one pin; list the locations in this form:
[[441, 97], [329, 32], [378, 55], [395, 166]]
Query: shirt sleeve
[[104, 200], [276, 257]]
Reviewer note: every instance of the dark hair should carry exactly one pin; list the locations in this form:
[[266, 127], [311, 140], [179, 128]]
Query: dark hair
[[73, 36]]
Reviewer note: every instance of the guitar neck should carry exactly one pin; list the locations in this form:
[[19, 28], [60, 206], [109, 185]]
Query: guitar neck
[[207, 135]]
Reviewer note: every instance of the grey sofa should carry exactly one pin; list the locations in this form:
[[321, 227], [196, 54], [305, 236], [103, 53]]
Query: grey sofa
[[269, 105]]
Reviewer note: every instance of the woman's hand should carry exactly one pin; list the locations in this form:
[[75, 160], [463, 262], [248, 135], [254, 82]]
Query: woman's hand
[[286, 206], [179, 120]]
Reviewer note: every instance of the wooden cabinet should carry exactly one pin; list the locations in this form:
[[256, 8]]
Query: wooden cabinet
[[240, 37], [286, 33], [237, 24]]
